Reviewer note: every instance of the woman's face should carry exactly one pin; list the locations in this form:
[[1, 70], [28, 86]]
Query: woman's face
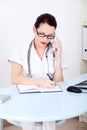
[[44, 34]]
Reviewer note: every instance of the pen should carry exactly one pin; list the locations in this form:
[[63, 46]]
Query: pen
[[49, 77]]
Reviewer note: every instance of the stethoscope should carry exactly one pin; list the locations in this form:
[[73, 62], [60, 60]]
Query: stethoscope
[[46, 55]]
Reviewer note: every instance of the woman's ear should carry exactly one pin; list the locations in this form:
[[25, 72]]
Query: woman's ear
[[34, 29]]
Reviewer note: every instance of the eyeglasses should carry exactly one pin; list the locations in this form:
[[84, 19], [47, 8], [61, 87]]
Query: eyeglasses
[[41, 34]]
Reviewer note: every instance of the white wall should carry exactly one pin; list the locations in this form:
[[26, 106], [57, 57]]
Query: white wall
[[16, 21]]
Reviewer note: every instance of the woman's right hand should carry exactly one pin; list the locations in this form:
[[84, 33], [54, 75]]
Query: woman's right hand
[[45, 83]]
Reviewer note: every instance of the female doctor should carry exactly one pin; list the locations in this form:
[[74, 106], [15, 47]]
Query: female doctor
[[39, 62]]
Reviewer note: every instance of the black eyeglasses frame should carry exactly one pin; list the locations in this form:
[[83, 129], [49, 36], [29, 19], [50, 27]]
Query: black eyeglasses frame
[[44, 35]]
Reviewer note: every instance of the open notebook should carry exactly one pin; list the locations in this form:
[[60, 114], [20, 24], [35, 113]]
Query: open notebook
[[36, 89]]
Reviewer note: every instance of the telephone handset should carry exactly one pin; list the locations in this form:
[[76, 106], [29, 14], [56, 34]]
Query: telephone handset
[[52, 42]]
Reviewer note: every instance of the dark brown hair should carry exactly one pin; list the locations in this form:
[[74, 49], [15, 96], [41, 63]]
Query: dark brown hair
[[46, 18]]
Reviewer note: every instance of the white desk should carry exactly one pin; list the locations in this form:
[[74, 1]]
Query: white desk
[[39, 107]]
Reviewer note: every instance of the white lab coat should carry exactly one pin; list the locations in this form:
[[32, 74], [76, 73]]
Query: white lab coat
[[39, 68]]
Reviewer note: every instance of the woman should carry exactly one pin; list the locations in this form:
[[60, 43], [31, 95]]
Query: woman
[[39, 62]]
